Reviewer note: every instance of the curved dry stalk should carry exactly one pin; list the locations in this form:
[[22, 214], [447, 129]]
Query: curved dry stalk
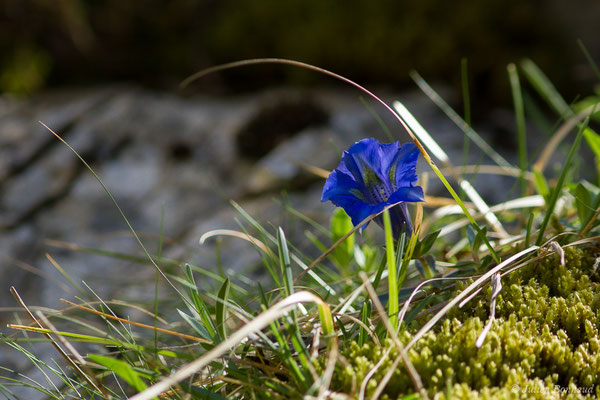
[[138, 324], [117, 303], [363, 325], [402, 350], [260, 322], [491, 170], [264, 248], [559, 250], [496, 288], [523, 202], [466, 186], [589, 225], [416, 291], [583, 241], [89, 378], [341, 240], [560, 134], [399, 118], [236, 234], [324, 380], [475, 285]]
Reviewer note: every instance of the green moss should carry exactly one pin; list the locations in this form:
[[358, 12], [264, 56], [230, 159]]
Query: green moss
[[544, 343]]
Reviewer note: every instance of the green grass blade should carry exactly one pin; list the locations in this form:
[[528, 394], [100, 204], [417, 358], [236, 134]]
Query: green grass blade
[[541, 184], [583, 203], [198, 326], [589, 58], [441, 154], [365, 315], [299, 346], [200, 305], [517, 96], [298, 214], [559, 184], [285, 263], [379, 273], [121, 213], [464, 79], [393, 307], [545, 88], [341, 224], [454, 117], [221, 309], [122, 369], [136, 259], [412, 244], [377, 118], [595, 206], [95, 339], [528, 232], [157, 279]]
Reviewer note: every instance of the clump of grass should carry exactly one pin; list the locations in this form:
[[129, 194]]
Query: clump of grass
[[509, 307]]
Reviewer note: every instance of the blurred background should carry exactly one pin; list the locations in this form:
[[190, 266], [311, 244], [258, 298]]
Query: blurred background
[[52, 43]]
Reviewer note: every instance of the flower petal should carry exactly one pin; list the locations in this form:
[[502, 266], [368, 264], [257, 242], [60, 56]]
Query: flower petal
[[402, 171], [409, 194], [341, 184], [389, 157], [402, 167], [363, 159], [359, 211], [372, 176]]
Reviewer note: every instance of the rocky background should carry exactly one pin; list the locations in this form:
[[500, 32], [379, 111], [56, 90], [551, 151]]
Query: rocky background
[[158, 153], [104, 75]]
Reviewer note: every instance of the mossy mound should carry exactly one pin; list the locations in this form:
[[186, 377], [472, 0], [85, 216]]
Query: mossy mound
[[544, 343]]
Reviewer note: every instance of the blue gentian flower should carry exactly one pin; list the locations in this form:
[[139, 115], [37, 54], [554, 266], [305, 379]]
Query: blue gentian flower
[[373, 175]]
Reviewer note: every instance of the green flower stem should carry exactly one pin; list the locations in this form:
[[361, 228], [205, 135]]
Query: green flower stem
[[392, 273]]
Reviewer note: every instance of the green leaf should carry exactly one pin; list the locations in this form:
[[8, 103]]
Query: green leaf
[[341, 224], [583, 201], [559, 184], [476, 238], [366, 256], [365, 314], [517, 95], [199, 304], [418, 308], [593, 140], [201, 393], [284, 262], [588, 102], [528, 232], [423, 247], [545, 88], [412, 396], [393, 306], [196, 325], [221, 309], [541, 184], [122, 369]]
